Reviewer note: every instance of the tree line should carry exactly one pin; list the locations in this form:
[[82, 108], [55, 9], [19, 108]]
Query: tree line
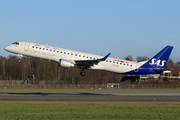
[[49, 71]]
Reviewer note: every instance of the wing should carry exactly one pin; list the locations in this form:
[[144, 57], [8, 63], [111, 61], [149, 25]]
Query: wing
[[88, 63]]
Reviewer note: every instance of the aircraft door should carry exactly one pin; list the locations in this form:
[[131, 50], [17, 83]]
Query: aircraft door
[[136, 68], [26, 46]]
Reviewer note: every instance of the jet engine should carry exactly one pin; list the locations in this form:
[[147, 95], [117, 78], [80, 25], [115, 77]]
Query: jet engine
[[65, 63]]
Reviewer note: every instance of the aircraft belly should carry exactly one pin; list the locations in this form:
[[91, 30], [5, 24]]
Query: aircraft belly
[[117, 68]]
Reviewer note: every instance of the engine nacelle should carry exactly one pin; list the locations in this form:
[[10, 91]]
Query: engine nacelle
[[65, 63]]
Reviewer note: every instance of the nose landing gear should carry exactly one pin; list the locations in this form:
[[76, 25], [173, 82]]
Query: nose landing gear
[[20, 56]]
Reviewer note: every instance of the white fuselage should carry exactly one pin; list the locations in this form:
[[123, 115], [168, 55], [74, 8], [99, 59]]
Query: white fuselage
[[55, 54]]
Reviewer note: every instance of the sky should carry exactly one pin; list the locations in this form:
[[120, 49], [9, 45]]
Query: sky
[[122, 27]]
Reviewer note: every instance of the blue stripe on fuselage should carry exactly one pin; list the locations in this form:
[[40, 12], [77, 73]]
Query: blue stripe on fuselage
[[141, 70]]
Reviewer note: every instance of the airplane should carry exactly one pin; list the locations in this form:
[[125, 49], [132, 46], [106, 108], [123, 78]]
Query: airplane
[[70, 58]]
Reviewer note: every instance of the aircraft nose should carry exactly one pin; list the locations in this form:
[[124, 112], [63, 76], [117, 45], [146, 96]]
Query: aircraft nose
[[6, 48]]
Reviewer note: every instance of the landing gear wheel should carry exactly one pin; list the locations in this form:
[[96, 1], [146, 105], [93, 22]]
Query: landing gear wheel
[[82, 73], [20, 57]]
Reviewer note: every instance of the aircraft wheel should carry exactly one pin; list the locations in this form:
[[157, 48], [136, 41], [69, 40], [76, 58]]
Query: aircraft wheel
[[82, 73]]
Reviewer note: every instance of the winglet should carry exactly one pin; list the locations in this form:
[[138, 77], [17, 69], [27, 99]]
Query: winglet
[[103, 59]]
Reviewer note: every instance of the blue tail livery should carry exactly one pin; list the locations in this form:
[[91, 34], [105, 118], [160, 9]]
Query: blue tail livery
[[155, 64]]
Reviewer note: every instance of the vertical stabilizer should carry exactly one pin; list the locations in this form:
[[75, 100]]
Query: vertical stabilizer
[[159, 60]]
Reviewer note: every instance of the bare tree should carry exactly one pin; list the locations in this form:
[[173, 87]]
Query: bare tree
[[48, 71], [170, 64], [3, 66], [142, 58], [130, 58]]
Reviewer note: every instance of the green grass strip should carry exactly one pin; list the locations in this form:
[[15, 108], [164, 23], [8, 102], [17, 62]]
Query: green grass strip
[[89, 111]]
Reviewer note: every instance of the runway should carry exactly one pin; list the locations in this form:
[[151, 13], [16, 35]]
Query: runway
[[91, 96]]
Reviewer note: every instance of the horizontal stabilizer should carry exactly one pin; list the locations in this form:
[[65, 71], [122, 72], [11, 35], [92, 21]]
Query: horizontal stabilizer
[[160, 71]]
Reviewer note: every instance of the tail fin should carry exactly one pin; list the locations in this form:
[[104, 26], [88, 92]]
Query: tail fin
[[159, 60]]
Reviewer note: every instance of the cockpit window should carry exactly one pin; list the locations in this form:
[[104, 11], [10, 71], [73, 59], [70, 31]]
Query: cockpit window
[[16, 43]]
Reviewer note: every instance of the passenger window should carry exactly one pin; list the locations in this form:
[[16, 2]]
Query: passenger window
[[127, 64], [54, 51], [79, 55], [110, 61], [71, 53], [36, 47], [106, 60], [117, 62], [68, 53], [131, 65], [39, 48], [43, 48], [64, 52], [46, 49], [50, 50], [90, 57], [32, 46]]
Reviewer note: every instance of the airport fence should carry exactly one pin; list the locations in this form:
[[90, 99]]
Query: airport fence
[[92, 86]]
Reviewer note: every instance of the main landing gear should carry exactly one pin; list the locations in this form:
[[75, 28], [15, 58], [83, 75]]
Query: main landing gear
[[83, 73]]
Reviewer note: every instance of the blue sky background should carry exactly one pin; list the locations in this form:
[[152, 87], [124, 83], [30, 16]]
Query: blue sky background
[[122, 27]]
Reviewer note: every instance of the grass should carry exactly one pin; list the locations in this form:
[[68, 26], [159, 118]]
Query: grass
[[62, 110], [89, 91], [89, 110]]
